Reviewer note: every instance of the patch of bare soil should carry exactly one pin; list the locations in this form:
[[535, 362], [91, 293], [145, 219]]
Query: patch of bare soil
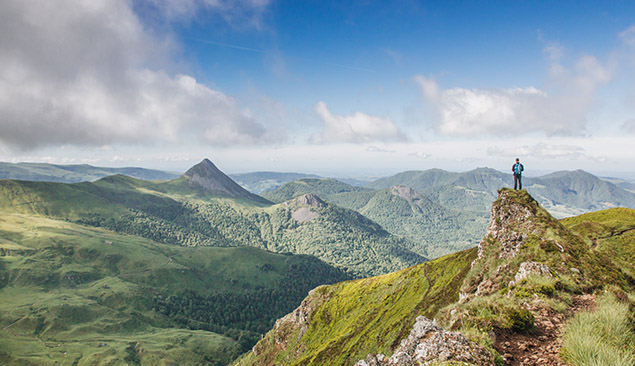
[[542, 345]]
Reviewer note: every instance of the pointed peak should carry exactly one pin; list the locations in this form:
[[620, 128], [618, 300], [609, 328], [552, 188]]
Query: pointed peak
[[205, 167], [207, 176]]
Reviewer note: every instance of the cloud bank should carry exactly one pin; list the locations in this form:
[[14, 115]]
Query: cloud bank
[[561, 108], [355, 128], [81, 73]]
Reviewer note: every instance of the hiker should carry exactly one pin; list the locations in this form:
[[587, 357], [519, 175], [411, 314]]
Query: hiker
[[518, 174]]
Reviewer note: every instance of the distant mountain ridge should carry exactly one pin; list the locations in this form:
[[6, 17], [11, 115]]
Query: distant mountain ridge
[[75, 173], [259, 182], [563, 193]]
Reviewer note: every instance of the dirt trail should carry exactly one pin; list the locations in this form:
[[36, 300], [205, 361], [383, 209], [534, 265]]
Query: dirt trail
[[542, 347]]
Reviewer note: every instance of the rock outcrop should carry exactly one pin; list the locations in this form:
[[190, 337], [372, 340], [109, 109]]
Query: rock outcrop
[[304, 207], [510, 223], [310, 199], [532, 268], [517, 221], [429, 343], [404, 192]]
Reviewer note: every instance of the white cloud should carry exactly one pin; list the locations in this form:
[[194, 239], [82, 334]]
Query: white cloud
[[355, 128], [80, 73], [560, 108]]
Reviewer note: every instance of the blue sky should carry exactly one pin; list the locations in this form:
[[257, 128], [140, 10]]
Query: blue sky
[[356, 88]]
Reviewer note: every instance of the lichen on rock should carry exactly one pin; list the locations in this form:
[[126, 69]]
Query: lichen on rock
[[428, 343]]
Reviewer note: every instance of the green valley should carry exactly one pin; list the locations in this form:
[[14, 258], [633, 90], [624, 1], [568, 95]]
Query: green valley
[[72, 293]]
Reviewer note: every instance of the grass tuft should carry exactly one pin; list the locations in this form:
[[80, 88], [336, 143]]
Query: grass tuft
[[605, 336]]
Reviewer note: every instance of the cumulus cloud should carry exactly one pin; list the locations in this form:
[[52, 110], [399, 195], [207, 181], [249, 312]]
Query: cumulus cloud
[[80, 73], [558, 109], [355, 128]]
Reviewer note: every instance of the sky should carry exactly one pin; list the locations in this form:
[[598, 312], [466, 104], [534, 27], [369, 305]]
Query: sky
[[338, 88]]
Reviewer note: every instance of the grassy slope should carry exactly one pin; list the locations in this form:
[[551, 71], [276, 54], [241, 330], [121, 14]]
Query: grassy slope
[[175, 213], [603, 337], [364, 316], [66, 289], [352, 319], [611, 236]]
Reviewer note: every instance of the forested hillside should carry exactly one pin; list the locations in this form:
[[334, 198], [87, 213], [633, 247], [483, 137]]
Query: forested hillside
[[206, 208], [259, 182], [429, 228]]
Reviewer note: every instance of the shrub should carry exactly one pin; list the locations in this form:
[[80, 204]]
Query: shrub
[[520, 320]]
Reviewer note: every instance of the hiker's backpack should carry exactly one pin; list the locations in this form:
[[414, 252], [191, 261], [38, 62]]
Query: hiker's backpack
[[518, 169]]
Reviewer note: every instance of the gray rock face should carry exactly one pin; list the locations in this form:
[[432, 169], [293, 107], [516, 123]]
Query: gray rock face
[[513, 223], [429, 343], [509, 225], [303, 208], [531, 268], [404, 192], [310, 199]]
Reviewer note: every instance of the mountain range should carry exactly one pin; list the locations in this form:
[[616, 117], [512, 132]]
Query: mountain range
[[194, 270], [204, 207], [564, 193]]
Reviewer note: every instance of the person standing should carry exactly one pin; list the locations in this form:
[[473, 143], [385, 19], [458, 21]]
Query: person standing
[[518, 174]]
